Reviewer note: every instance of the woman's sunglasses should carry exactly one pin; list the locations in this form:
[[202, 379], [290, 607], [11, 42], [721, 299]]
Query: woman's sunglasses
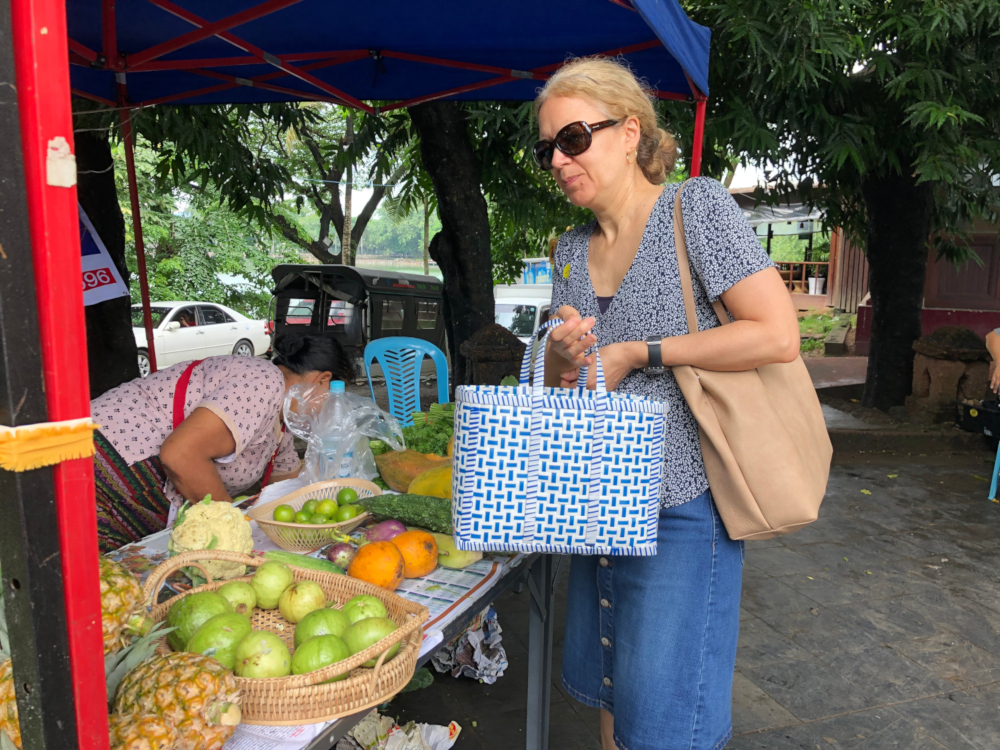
[[572, 140]]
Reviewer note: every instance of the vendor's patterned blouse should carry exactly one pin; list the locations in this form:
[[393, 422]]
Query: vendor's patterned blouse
[[246, 393], [723, 250]]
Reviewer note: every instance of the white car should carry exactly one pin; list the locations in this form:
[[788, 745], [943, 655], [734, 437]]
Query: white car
[[183, 331], [521, 308]]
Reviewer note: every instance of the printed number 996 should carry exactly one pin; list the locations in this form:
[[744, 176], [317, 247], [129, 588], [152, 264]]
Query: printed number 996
[[98, 278]]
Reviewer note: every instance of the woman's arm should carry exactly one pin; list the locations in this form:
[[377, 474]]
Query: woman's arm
[[993, 346], [765, 331], [189, 452]]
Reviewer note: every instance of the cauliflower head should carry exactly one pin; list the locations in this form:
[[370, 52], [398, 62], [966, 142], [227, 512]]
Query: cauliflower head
[[217, 526]]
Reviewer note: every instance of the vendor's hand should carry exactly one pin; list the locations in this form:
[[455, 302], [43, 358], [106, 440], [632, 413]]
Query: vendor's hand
[[618, 360], [994, 376], [573, 338]]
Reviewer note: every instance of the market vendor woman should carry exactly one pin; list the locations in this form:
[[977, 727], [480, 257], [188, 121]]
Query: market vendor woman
[[651, 641], [211, 427]]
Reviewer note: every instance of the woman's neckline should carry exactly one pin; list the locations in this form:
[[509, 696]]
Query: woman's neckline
[[638, 252]]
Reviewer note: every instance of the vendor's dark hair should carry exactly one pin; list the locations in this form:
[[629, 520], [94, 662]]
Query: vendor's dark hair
[[302, 354]]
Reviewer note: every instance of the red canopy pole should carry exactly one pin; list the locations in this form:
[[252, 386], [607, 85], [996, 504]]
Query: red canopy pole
[[699, 135], [133, 195], [46, 120]]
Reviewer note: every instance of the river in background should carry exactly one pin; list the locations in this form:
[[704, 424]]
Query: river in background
[[403, 265]]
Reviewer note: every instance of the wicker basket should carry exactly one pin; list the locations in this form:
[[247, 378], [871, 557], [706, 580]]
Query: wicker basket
[[307, 537], [303, 699]]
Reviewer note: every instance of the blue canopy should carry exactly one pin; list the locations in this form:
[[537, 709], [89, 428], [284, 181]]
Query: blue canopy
[[196, 52]]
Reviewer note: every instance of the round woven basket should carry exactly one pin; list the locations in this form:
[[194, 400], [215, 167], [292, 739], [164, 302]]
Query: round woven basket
[[307, 537], [303, 699]]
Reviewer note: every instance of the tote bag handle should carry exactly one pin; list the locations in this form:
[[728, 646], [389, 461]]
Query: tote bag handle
[[538, 402]]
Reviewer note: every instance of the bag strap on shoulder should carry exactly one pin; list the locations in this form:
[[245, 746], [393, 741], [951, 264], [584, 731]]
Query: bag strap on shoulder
[[684, 269]]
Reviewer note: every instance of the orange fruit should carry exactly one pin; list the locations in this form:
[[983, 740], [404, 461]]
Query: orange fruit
[[419, 550], [378, 563]]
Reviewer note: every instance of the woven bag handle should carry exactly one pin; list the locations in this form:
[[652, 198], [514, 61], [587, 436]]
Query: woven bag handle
[[684, 270]]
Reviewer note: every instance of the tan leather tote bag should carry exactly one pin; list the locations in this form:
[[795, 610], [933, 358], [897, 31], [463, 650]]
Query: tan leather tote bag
[[767, 452]]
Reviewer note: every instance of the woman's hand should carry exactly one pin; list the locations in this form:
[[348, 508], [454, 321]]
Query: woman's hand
[[993, 346], [573, 338], [617, 360]]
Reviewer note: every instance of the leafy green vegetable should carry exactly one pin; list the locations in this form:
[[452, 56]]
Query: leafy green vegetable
[[510, 380], [432, 513], [378, 447], [431, 431]]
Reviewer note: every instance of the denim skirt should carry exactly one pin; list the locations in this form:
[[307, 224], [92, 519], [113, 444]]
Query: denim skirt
[[653, 639]]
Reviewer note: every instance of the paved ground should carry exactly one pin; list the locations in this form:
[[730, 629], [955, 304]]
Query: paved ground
[[876, 628], [831, 372]]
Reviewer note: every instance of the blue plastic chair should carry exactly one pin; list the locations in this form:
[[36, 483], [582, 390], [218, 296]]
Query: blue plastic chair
[[400, 358]]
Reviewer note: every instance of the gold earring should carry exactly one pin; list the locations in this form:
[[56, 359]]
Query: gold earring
[[630, 157]]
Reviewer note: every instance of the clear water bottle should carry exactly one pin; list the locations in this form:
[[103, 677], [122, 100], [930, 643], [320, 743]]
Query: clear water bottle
[[337, 412]]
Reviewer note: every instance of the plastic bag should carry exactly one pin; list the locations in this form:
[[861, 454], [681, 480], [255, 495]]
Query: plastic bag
[[337, 437]]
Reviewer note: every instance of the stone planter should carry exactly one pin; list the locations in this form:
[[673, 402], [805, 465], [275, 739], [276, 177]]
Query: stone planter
[[493, 353], [951, 364]]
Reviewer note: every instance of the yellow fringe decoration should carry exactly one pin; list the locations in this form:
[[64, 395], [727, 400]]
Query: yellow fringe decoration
[[36, 445]]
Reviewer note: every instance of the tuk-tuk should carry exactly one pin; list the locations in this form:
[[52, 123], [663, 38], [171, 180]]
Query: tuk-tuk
[[356, 305]]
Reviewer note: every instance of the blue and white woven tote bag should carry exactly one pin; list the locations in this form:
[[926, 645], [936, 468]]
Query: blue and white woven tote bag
[[568, 471]]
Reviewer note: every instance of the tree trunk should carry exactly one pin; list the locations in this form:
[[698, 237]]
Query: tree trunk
[[345, 241], [462, 247], [427, 231], [111, 352], [899, 220]]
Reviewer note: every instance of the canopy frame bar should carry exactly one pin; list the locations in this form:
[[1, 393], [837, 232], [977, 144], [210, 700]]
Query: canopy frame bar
[[206, 30], [265, 57]]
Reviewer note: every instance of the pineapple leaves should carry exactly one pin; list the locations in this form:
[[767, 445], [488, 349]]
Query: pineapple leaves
[[119, 664]]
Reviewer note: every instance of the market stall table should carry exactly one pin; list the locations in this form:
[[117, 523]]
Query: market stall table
[[454, 597]]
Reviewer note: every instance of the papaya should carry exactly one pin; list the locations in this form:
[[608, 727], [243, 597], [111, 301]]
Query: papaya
[[434, 482], [400, 468]]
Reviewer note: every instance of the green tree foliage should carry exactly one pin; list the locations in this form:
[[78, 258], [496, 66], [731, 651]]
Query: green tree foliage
[[197, 247], [885, 113], [390, 237]]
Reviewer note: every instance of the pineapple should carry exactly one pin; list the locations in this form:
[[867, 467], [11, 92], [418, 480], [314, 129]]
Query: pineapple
[[193, 692], [122, 605], [8, 705], [141, 732]]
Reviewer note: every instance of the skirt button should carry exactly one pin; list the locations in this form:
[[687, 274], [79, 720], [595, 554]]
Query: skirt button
[[605, 642], [607, 682], [605, 603]]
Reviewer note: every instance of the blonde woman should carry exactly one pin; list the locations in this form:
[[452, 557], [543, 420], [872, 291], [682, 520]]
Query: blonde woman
[[651, 641]]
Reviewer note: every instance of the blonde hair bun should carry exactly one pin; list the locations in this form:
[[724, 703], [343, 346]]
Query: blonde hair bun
[[610, 83]]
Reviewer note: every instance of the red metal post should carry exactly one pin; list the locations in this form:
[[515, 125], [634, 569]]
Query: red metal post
[[699, 135], [40, 43], [140, 247]]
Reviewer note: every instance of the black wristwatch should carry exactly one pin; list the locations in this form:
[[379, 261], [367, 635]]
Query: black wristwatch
[[655, 366]]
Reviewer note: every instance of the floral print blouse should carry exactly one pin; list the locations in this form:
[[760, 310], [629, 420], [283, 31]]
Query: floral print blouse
[[246, 393], [723, 250]]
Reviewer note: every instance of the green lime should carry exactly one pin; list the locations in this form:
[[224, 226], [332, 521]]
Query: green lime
[[347, 496], [310, 506], [284, 513], [327, 507], [302, 517], [318, 518], [346, 512]]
